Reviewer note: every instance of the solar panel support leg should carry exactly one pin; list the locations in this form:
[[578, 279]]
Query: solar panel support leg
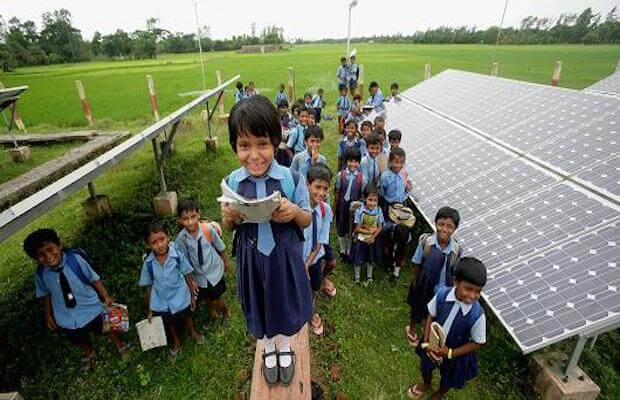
[[160, 167], [91, 190], [574, 358]]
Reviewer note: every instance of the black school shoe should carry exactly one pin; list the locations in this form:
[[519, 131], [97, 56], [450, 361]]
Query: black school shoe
[[287, 373], [270, 374]]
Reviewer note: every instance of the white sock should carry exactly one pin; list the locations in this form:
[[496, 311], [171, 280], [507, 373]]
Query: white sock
[[348, 241], [396, 271], [284, 344], [270, 345], [356, 269], [369, 271], [342, 244]]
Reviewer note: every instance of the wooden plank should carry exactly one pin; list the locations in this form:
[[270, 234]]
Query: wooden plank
[[49, 137], [300, 388], [38, 177]]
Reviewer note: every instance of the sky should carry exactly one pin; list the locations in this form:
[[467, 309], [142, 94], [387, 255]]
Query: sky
[[315, 19]]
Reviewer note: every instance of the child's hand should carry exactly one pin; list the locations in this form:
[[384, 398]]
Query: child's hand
[[230, 215], [314, 155], [408, 185], [149, 315], [285, 212], [108, 301], [192, 304], [50, 322], [193, 287], [370, 239]]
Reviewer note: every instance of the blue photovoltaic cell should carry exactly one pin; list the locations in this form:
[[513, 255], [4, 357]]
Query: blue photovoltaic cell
[[608, 86]]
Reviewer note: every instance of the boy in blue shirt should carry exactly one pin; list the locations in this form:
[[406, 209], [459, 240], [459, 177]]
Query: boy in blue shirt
[[376, 97], [202, 245], [394, 93], [296, 137], [281, 95], [370, 164], [343, 106], [316, 236], [310, 156], [240, 93], [318, 104], [342, 73], [394, 137], [308, 102], [251, 90], [353, 74], [70, 290], [349, 141], [170, 287]]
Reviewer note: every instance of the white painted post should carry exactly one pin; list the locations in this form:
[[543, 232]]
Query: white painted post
[[153, 96], [220, 105], [556, 73], [360, 83], [291, 84], [88, 113], [427, 71]]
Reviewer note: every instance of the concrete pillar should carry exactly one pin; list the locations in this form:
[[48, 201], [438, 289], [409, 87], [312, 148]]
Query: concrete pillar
[[211, 143], [20, 154], [547, 373], [165, 204], [96, 207]]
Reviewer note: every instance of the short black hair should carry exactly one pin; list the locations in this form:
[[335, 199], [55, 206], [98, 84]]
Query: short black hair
[[343, 59], [155, 226], [366, 123], [379, 118], [397, 152], [395, 135], [380, 132], [250, 83], [239, 85], [320, 90], [315, 132], [307, 94], [188, 204], [353, 153], [357, 97], [295, 105], [370, 189], [283, 103], [472, 270], [37, 239], [448, 212], [394, 86], [320, 172], [373, 139], [304, 108], [351, 122], [281, 85], [373, 84], [256, 116]]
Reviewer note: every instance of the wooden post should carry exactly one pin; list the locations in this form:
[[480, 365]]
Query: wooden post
[[223, 117], [291, 85], [88, 113], [16, 118], [300, 388], [618, 66], [495, 69], [360, 83], [153, 96], [427, 71], [556, 73]]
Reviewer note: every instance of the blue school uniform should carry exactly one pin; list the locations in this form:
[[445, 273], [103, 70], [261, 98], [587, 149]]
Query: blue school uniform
[[296, 138], [364, 252], [341, 74], [317, 101], [281, 96], [318, 231], [352, 117], [353, 74], [343, 106], [273, 289], [370, 168], [435, 272], [169, 292], [302, 162], [462, 323], [376, 101], [240, 95], [350, 185], [345, 144], [211, 270], [87, 307], [293, 122], [392, 186]]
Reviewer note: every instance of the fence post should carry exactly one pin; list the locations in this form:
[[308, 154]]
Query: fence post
[[153, 96], [427, 71], [556, 73], [360, 83], [291, 84], [88, 113], [495, 69]]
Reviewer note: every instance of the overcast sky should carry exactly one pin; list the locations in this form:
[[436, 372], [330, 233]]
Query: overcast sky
[[313, 19]]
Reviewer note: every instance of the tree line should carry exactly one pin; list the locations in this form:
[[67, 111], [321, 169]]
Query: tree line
[[58, 41]]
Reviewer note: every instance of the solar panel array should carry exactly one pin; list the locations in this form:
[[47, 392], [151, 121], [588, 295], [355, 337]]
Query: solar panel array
[[608, 86], [533, 170]]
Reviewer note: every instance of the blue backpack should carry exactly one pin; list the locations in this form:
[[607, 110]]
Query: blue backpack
[[73, 264]]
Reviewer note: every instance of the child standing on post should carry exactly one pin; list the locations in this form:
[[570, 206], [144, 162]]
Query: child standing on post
[[70, 290], [272, 285], [368, 222], [458, 311], [170, 287], [435, 258], [317, 234], [350, 184], [201, 243]]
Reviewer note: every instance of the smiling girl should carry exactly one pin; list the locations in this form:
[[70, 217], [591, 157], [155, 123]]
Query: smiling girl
[[272, 286]]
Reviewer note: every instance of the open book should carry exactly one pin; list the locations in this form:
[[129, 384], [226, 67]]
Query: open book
[[152, 334], [253, 211]]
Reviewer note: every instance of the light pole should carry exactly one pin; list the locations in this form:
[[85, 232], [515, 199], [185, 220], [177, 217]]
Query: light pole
[[351, 5]]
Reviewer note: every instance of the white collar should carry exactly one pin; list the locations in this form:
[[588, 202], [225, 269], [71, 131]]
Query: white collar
[[451, 297]]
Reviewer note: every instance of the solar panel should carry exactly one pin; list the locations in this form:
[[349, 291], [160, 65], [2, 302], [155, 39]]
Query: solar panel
[[534, 178], [608, 86]]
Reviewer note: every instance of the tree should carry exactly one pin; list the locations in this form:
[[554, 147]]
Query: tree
[[95, 44], [60, 40], [144, 44]]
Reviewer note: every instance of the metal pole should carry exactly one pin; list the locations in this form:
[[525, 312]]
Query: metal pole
[[202, 65], [349, 34], [160, 167], [208, 119], [91, 190], [574, 358]]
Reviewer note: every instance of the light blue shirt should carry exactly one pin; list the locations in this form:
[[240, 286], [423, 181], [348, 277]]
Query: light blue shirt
[[212, 268], [477, 333], [376, 101], [392, 186], [343, 106], [349, 143], [370, 168], [359, 214], [317, 101], [169, 292], [342, 74], [240, 95], [296, 139], [352, 72], [88, 306], [281, 96], [302, 162], [419, 253], [323, 224], [350, 177]]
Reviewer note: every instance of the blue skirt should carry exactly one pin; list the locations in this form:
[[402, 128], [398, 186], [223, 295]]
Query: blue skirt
[[274, 292], [368, 253], [454, 373]]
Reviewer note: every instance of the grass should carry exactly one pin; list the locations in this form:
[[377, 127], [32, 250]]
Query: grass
[[365, 326]]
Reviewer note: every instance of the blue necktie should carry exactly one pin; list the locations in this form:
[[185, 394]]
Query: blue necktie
[[200, 255], [314, 229], [265, 235], [374, 169], [347, 194]]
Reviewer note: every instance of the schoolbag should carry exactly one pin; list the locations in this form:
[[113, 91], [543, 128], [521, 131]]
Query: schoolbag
[[289, 183], [426, 240], [149, 265], [473, 314], [343, 181]]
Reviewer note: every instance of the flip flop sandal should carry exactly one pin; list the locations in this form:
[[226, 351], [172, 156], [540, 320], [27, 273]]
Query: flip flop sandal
[[174, 354], [200, 339], [85, 362], [414, 393]]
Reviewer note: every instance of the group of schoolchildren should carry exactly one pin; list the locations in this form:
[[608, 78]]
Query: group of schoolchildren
[[282, 264]]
